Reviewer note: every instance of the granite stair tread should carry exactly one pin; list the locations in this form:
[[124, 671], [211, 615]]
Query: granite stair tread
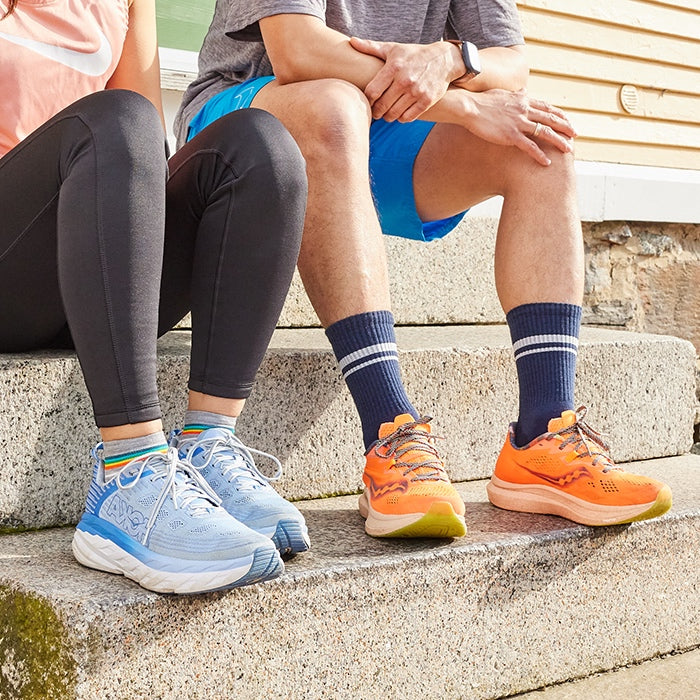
[[640, 390], [522, 601]]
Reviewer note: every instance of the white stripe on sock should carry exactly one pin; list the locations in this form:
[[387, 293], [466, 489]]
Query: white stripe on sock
[[537, 339], [559, 348], [364, 352], [383, 358]]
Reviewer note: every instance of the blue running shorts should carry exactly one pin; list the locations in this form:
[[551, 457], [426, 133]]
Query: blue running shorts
[[393, 150]]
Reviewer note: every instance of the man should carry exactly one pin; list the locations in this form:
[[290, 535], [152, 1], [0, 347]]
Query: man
[[432, 94]]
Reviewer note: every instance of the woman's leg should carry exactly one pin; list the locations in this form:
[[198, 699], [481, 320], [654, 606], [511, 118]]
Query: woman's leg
[[235, 211], [236, 199], [81, 244], [84, 197]]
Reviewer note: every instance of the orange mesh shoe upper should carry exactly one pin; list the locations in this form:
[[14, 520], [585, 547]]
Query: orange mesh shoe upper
[[404, 472], [574, 458]]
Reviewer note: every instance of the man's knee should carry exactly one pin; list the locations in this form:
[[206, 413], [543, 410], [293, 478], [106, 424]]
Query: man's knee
[[522, 171], [336, 119]]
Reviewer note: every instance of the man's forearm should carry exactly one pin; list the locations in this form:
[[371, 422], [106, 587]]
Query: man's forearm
[[502, 67], [316, 52]]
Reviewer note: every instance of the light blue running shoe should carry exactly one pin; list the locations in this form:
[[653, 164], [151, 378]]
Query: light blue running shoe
[[157, 522], [229, 469]]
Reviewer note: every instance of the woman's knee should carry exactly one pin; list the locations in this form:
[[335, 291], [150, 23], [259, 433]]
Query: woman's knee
[[124, 121], [254, 145]]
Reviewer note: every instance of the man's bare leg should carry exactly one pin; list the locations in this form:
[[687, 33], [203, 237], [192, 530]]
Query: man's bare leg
[[344, 269], [342, 261], [539, 256], [539, 249]]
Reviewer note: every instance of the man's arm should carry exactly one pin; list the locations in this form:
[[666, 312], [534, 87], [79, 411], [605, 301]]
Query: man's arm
[[412, 70], [302, 47]]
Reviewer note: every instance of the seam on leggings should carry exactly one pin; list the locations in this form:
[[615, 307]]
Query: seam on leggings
[[238, 391], [148, 412], [26, 229], [217, 279], [207, 151], [103, 270], [15, 153]]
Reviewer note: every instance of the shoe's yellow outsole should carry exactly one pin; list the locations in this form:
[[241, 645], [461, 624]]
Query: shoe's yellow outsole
[[439, 521], [661, 505]]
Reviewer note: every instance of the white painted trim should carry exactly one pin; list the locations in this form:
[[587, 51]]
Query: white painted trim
[[177, 68], [616, 192], [178, 60]]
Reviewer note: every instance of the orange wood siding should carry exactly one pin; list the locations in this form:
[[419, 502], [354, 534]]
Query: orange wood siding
[[582, 53]]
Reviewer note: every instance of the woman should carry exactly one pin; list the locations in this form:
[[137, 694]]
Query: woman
[[83, 199]]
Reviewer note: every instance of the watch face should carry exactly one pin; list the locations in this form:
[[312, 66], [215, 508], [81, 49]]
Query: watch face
[[471, 57]]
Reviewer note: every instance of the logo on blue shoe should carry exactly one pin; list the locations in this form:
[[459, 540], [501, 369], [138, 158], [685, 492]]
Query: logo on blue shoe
[[125, 515]]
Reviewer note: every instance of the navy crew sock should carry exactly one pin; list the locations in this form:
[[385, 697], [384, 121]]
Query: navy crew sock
[[545, 345], [365, 347]]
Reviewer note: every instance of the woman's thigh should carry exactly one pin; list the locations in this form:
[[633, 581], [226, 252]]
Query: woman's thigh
[[31, 311]]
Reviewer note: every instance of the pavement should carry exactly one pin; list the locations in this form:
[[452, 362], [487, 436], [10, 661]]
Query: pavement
[[675, 677]]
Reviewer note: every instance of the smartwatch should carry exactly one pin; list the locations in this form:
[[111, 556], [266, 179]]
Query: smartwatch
[[470, 56]]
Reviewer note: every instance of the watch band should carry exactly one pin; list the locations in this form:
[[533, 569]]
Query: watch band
[[470, 56]]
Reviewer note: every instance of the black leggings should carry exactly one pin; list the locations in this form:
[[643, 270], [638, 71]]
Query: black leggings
[[82, 218]]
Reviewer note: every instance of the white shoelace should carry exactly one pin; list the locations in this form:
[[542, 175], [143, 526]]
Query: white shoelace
[[184, 484], [236, 460]]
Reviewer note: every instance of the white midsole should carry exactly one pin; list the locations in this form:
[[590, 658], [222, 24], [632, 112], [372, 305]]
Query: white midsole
[[378, 524], [99, 553], [539, 498]]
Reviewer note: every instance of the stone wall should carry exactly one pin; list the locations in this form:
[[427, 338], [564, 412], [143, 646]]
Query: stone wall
[[645, 277]]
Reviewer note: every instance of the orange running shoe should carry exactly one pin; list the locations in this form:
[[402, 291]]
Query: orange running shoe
[[568, 472], [407, 491]]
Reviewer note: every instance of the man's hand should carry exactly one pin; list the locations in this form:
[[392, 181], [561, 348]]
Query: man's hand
[[513, 119], [413, 79]]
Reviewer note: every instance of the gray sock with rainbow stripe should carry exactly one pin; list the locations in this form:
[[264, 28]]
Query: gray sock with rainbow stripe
[[118, 453]]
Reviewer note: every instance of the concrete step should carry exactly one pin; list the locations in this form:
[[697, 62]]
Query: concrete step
[[641, 390], [521, 602], [460, 266]]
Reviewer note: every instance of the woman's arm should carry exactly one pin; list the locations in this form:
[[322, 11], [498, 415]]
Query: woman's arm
[[138, 68]]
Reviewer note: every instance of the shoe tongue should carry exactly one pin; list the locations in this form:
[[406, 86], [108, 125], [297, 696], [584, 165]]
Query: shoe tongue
[[388, 428], [216, 433], [200, 450], [567, 419]]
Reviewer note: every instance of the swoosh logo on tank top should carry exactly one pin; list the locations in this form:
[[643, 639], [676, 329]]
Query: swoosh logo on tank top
[[94, 64]]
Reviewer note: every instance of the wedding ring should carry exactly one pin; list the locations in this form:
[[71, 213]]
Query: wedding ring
[[538, 126]]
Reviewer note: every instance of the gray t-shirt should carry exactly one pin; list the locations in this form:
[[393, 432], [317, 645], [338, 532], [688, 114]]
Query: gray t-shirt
[[233, 50]]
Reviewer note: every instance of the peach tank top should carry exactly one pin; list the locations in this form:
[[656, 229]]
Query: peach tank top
[[53, 52]]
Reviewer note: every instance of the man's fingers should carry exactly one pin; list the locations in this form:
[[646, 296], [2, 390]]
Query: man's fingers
[[391, 105], [379, 85], [398, 110], [412, 113], [545, 113], [529, 147], [373, 48], [553, 121], [541, 131]]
